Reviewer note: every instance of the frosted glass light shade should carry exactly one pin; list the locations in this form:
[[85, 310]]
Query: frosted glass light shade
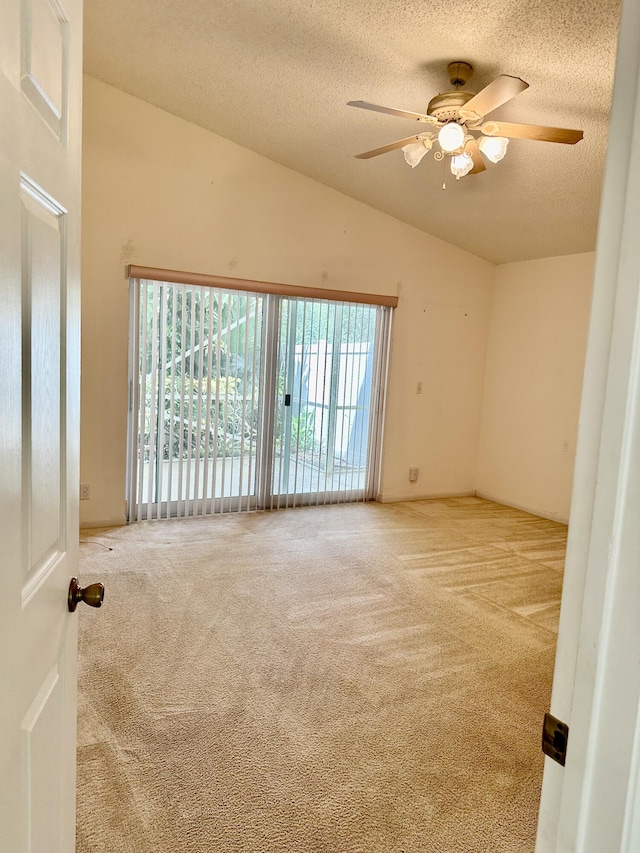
[[493, 147], [415, 151], [461, 165], [451, 137]]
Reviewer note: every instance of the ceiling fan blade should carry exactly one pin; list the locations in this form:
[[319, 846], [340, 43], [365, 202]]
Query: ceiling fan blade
[[538, 132], [392, 111], [478, 163], [391, 147], [498, 92]]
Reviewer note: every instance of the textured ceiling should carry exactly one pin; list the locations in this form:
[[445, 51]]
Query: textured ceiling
[[275, 76]]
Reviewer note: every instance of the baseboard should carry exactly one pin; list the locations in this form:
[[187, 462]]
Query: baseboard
[[118, 521], [550, 515], [392, 499]]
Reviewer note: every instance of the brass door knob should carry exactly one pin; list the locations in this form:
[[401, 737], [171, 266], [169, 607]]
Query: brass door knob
[[93, 595]]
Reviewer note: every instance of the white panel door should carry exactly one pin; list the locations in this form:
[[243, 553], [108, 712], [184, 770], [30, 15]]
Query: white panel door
[[40, 114]]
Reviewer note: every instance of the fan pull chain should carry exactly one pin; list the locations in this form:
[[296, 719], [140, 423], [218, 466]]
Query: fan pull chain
[[444, 173]]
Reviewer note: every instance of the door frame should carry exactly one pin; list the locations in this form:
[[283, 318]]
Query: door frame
[[593, 804]]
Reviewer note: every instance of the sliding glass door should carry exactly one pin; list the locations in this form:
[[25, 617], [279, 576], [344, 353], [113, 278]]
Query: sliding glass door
[[327, 358], [242, 400]]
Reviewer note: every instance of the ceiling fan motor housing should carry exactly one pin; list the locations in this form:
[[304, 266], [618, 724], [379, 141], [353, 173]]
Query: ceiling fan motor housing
[[445, 106]]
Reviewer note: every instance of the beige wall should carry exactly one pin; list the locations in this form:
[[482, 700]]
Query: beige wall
[[161, 192], [533, 381]]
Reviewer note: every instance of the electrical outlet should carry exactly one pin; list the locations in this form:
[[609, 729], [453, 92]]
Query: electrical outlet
[[413, 475], [84, 492]]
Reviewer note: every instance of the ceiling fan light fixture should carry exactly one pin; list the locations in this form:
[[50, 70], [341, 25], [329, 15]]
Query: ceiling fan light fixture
[[493, 147], [451, 137], [414, 152], [461, 165], [459, 117]]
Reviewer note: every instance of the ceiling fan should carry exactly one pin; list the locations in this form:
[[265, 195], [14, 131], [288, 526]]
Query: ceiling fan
[[462, 134]]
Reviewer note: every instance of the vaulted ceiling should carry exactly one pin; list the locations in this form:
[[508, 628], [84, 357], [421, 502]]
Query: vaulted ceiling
[[275, 77]]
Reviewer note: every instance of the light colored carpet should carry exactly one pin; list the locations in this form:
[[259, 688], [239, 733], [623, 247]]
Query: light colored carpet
[[350, 679]]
